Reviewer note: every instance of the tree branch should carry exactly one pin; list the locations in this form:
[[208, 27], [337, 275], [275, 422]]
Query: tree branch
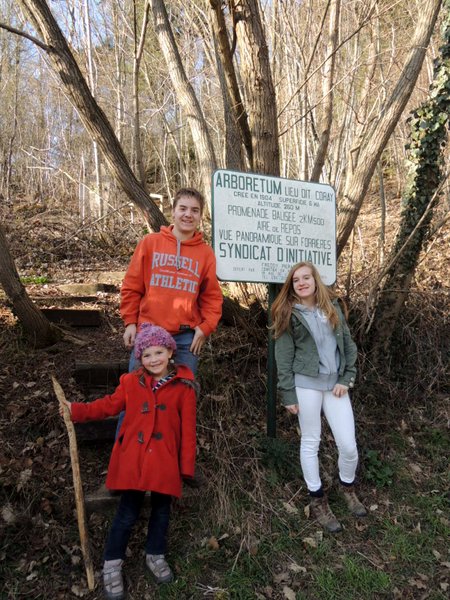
[[26, 36]]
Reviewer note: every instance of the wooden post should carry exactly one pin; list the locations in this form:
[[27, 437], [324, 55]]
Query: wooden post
[[271, 371], [78, 487]]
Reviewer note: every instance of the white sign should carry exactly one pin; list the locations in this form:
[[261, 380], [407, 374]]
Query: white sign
[[263, 225]]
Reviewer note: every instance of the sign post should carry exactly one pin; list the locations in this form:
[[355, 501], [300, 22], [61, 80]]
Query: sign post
[[262, 226], [271, 370]]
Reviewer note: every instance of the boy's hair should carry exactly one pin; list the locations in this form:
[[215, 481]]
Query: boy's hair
[[282, 306], [190, 193]]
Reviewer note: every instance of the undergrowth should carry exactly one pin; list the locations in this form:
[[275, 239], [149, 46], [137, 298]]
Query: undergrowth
[[247, 533]]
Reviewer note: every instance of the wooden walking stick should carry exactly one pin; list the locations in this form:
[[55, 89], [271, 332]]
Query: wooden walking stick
[[78, 487]]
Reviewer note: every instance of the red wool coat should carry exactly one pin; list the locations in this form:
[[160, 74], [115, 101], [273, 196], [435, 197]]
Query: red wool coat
[[156, 442]]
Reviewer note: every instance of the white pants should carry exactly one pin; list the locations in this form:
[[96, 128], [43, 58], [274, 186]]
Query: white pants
[[339, 414]]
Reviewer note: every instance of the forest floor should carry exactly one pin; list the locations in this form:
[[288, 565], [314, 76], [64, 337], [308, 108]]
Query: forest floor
[[246, 533]]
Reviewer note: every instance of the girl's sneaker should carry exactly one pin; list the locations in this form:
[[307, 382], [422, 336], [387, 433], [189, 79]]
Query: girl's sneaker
[[159, 568], [113, 580]]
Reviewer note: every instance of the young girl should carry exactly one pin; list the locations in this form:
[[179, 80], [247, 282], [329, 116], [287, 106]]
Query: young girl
[[315, 358], [154, 449]]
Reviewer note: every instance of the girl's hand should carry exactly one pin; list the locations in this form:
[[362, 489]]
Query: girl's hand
[[340, 390], [292, 408], [61, 407]]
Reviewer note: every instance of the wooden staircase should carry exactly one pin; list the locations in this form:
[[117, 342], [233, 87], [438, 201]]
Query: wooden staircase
[[94, 379]]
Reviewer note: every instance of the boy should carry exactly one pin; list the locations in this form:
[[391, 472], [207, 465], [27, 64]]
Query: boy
[[171, 282]]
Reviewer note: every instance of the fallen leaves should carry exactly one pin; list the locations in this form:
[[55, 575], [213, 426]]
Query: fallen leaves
[[46, 506], [78, 590], [419, 582], [295, 568], [212, 543], [253, 544], [15, 411], [24, 478], [282, 577], [289, 593], [290, 508], [8, 514], [315, 540]]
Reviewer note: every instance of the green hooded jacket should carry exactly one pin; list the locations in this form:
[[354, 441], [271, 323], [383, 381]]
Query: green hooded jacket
[[296, 352]]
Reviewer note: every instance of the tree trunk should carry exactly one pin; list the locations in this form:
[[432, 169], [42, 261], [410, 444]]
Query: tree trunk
[[120, 79], [9, 158], [94, 119], [233, 154], [259, 88], [35, 326], [137, 57], [185, 95], [226, 60], [98, 204], [358, 183], [328, 85]]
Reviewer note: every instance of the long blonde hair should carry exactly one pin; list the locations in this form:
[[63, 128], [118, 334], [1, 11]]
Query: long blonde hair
[[282, 306]]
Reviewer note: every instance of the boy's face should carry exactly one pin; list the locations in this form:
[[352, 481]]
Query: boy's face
[[186, 217]]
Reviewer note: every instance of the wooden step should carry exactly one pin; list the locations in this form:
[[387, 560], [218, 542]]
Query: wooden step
[[87, 289], [86, 317], [98, 379], [66, 300], [102, 500], [108, 277], [101, 375], [97, 431]]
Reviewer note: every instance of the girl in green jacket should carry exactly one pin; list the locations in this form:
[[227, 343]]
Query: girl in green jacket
[[316, 358]]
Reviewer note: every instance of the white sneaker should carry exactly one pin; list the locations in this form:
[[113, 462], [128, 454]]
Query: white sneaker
[[159, 568], [113, 580]]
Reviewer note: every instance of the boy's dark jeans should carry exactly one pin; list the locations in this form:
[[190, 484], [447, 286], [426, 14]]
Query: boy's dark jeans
[[127, 514]]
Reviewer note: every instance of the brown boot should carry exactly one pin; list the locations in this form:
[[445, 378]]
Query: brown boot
[[354, 505], [321, 511]]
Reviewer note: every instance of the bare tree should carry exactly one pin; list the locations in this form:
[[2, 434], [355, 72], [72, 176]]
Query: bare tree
[[225, 53], [137, 57], [94, 119], [185, 93], [366, 105], [98, 205], [428, 140], [258, 85], [328, 84], [358, 182], [9, 153]]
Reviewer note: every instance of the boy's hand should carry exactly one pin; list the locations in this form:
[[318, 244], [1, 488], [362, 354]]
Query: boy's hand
[[293, 409], [63, 403], [129, 335], [198, 341]]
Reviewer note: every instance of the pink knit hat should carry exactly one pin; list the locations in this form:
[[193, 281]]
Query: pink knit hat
[[152, 335]]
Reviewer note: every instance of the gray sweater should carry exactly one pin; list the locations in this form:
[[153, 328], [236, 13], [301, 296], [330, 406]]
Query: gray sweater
[[324, 338]]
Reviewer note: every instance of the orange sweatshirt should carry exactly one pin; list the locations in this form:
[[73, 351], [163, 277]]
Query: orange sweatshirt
[[172, 283]]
